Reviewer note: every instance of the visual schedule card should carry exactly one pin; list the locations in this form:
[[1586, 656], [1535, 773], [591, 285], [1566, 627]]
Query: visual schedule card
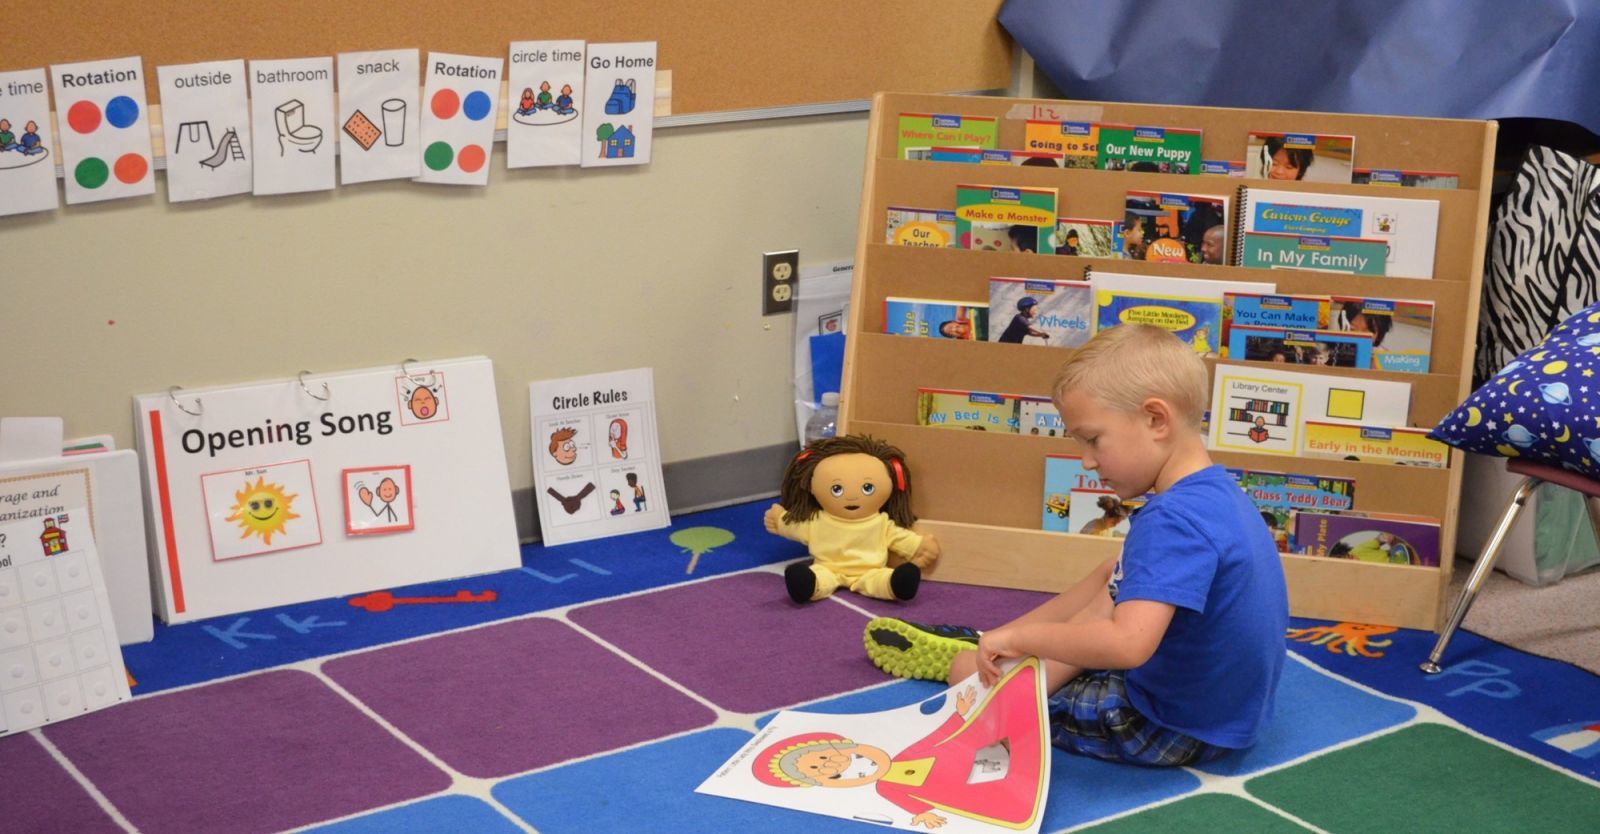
[[545, 126], [291, 110], [58, 643], [27, 163], [378, 116], [460, 96], [620, 97], [205, 117], [105, 129], [596, 462]]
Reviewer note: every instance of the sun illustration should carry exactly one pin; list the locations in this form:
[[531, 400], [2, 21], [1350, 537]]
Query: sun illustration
[[262, 509]]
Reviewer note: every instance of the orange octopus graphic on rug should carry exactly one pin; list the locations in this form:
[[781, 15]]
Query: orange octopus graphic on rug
[[1350, 638]]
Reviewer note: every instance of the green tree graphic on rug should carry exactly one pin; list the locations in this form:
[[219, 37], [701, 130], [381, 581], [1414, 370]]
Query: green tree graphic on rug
[[698, 540]]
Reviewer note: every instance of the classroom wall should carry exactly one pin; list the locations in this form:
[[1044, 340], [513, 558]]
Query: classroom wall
[[549, 272]]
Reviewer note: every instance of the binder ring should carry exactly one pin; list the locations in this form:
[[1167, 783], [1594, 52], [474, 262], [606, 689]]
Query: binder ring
[[407, 371], [326, 394], [172, 394]]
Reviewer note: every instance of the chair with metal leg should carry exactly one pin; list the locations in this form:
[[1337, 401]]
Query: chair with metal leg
[[1535, 476]]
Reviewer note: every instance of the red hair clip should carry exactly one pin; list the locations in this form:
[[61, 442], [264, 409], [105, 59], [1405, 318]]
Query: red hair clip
[[899, 473]]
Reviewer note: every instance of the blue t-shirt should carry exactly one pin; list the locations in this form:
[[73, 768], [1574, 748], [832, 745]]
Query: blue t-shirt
[[1201, 546]]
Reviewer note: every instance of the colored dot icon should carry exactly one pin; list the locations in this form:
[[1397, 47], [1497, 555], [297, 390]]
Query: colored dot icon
[[446, 103], [440, 155], [92, 172], [84, 116]]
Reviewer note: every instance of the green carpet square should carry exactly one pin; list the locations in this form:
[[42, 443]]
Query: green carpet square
[[1206, 812], [1428, 778]]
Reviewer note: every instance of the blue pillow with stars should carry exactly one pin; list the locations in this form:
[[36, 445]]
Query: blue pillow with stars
[[1544, 405]]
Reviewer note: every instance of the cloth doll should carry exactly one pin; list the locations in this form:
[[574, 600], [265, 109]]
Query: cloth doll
[[849, 500]]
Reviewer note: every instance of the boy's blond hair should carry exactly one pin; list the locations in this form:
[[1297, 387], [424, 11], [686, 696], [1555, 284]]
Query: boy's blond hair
[[1127, 364]]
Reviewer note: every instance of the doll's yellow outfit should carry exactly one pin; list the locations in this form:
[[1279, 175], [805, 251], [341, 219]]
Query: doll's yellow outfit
[[854, 554]]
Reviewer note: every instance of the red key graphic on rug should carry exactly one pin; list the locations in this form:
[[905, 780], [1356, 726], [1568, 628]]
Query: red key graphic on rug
[[378, 602]]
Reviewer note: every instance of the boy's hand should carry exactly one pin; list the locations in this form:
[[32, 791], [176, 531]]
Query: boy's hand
[[993, 646]]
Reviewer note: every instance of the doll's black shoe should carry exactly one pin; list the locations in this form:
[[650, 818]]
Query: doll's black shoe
[[800, 581], [909, 650], [905, 579]]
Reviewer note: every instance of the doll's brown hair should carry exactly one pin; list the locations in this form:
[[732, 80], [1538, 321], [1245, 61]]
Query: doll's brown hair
[[796, 498]]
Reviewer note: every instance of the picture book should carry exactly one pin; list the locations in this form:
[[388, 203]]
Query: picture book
[[1298, 312], [936, 319], [1042, 311], [1279, 494], [1405, 179], [1382, 444], [996, 156], [1039, 416], [921, 132], [977, 410], [1222, 167], [1166, 150], [1099, 512], [1352, 255], [1174, 228], [1206, 288], [1196, 321], [1307, 157], [1085, 238], [1063, 476], [1402, 329], [1077, 142], [1261, 409], [934, 228], [979, 758], [1327, 348], [1005, 218], [1369, 537], [1410, 227]]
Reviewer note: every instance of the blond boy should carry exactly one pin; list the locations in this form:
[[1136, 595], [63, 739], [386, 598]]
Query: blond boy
[[1170, 653]]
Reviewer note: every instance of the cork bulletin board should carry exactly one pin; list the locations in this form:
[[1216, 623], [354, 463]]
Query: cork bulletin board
[[724, 54]]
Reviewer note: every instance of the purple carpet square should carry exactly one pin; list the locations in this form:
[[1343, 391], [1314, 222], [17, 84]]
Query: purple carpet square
[[508, 698], [952, 604], [262, 753], [41, 796], [739, 641]]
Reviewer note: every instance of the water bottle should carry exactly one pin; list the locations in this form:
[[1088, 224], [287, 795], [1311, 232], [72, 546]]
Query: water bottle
[[822, 422]]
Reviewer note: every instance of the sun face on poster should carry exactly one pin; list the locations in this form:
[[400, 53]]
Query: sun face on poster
[[261, 509], [378, 500]]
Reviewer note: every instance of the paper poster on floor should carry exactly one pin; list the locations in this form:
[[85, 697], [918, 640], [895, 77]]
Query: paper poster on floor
[[261, 509], [59, 656], [105, 129], [291, 111], [205, 122], [619, 110], [378, 117], [545, 126], [27, 158], [596, 458], [970, 759], [460, 94]]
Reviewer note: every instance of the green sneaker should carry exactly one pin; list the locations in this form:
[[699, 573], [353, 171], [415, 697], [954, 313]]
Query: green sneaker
[[910, 650]]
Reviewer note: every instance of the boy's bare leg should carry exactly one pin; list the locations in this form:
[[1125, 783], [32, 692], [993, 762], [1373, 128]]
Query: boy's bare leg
[[1056, 674]]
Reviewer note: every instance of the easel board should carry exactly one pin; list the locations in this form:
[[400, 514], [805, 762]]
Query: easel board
[[247, 486]]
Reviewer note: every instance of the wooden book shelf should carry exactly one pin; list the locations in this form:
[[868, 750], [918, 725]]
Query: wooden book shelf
[[981, 493]]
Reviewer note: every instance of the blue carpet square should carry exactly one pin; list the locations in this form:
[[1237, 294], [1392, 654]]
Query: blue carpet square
[[446, 813], [1314, 712]]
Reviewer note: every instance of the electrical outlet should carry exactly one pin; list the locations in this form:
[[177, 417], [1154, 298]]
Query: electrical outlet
[[780, 272]]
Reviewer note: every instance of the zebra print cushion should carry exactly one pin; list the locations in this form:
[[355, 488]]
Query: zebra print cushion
[[1544, 256]]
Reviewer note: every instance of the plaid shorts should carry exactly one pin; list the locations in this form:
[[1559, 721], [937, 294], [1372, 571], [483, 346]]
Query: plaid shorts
[[1091, 716]]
